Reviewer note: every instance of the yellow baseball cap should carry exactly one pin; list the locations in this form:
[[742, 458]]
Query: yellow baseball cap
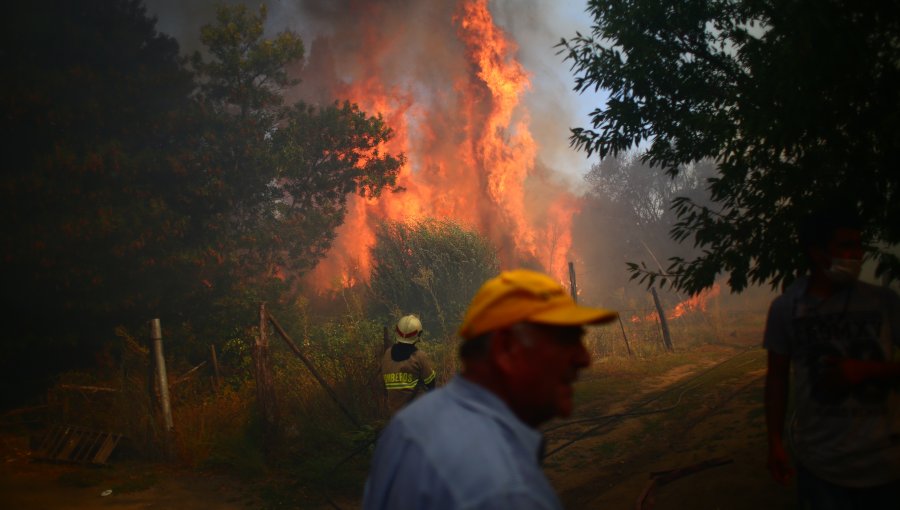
[[522, 295]]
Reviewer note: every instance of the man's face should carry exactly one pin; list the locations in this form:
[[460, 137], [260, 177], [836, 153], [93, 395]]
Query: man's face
[[846, 243], [544, 367], [839, 260]]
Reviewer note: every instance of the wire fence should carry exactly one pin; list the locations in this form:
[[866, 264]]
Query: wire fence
[[639, 330]]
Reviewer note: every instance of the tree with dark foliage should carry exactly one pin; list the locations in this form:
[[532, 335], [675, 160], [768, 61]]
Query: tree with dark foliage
[[91, 96], [796, 101], [284, 171], [134, 186]]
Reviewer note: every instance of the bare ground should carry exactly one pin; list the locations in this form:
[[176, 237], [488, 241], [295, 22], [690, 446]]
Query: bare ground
[[717, 418], [26, 484]]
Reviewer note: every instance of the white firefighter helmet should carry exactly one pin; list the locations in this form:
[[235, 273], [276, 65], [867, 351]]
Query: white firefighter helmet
[[408, 329]]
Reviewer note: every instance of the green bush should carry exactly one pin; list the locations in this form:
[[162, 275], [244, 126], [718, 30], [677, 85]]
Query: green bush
[[431, 268]]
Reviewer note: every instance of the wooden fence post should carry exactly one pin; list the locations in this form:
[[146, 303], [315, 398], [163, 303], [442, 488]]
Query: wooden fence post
[[311, 367], [265, 391], [215, 362], [627, 345], [573, 289], [162, 381], [667, 338]]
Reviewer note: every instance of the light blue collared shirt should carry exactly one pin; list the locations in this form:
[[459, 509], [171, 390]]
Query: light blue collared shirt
[[457, 447]]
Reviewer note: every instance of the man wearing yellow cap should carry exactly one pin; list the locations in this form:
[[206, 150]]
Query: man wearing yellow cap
[[474, 443]]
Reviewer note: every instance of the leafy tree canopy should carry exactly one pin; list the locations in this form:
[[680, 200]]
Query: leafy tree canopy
[[286, 170], [91, 96], [135, 186], [431, 268], [246, 70], [325, 154], [796, 102]]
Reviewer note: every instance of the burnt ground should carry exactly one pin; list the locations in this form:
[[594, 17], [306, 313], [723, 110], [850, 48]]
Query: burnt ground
[[709, 412], [704, 405]]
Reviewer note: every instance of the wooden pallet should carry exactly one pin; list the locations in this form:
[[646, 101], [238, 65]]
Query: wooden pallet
[[65, 443]]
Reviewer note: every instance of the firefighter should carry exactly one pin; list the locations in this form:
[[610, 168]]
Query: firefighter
[[406, 370]]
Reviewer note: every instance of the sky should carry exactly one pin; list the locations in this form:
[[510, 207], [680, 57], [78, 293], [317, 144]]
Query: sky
[[535, 25]]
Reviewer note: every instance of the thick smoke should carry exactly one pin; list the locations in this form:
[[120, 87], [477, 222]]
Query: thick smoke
[[469, 105], [535, 25]]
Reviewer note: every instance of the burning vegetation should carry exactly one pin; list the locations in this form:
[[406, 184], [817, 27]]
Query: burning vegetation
[[392, 158], [451, 88]]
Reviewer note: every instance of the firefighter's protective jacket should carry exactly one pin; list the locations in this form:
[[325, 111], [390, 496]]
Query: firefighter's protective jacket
[[407, 371]]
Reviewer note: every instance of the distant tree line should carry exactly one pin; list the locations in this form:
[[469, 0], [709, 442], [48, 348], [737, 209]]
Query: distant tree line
[[629, 204]]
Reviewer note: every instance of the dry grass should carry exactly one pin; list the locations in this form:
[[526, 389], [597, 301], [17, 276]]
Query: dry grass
[[222, 428], [206, 427]]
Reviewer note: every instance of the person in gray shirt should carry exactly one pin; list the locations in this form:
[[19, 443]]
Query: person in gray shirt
[[838, 335]]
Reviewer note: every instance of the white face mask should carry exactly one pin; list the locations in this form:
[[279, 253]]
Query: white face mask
[[844, 271]]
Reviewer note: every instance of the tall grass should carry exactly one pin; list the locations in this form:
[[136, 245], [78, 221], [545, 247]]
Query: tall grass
[[218, 430]]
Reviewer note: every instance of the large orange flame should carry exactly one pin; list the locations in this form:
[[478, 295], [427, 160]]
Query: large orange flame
[[470, 152]]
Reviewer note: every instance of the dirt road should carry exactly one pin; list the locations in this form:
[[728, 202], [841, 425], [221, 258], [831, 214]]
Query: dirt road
[[696, 414]]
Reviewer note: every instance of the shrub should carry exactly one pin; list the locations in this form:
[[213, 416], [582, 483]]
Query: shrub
[[431, 268]]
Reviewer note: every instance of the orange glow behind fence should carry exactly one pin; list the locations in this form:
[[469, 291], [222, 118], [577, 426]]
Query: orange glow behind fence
[[470, 152], [696, 303]]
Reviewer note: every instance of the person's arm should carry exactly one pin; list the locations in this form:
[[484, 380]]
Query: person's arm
[[855, 371], [429, 376], [776, 399], [848, 371]]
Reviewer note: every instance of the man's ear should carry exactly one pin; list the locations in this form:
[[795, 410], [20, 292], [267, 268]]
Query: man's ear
[[504, 350]]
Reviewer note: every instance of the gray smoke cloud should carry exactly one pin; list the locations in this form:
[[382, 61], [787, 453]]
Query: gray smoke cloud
[[423, 35], [415, 62]]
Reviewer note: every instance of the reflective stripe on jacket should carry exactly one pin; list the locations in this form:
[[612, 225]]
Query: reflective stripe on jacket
[[406, 377]]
